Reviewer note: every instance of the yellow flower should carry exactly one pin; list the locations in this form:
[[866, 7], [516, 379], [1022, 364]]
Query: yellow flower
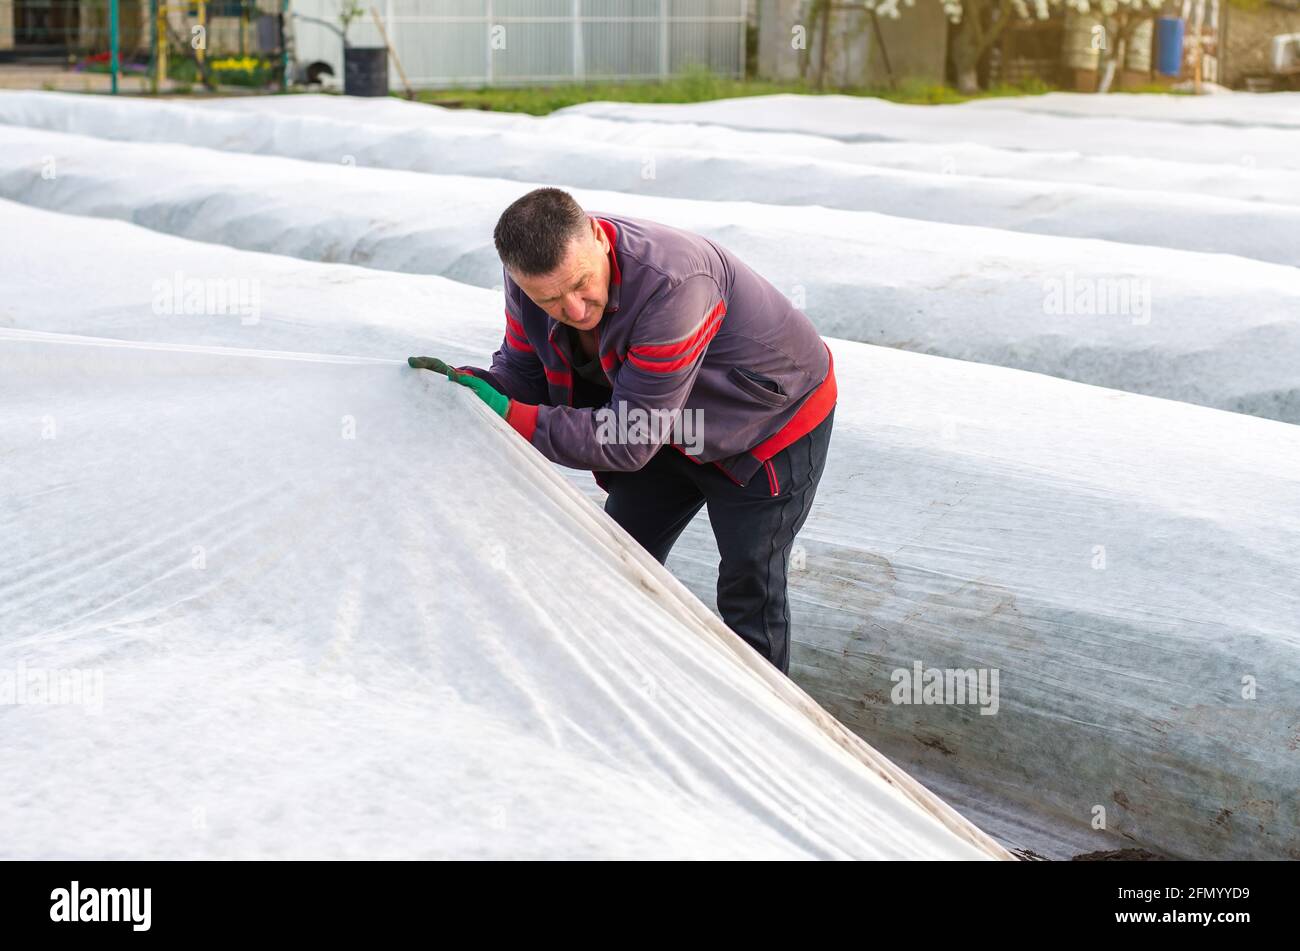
[[245, 63]]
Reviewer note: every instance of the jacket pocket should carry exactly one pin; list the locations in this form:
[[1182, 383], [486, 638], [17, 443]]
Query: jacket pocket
[[762, 388]]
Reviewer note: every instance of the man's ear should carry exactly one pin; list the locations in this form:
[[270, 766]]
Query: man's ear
[[598, 233]]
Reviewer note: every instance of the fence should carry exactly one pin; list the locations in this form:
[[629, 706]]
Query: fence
[[517, 42], [80, 28], [440, 42]]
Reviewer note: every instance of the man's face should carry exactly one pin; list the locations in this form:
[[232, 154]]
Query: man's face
[[576, 292]]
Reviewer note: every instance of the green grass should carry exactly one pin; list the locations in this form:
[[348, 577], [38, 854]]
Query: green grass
[[1155, 88], [690, 87]]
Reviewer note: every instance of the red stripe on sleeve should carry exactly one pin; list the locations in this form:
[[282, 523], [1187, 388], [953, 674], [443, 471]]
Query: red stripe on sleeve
[[517, 343], [707, 328], [687, 360]]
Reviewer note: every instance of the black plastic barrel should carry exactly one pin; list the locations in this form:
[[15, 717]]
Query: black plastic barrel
[[365, 70]]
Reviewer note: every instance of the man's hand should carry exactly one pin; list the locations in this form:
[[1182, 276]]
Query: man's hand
[[434, 364], [497, 401]]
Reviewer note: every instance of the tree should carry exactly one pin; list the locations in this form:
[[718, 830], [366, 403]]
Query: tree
[[888, 9], [980, 23], [349, 10]]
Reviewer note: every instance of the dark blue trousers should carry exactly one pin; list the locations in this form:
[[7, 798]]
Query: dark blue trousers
[[754, 525]]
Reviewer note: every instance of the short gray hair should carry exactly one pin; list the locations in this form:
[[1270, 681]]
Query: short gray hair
[[533, 235]]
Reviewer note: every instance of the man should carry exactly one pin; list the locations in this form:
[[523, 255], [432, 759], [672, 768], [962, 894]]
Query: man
[[613, 319]]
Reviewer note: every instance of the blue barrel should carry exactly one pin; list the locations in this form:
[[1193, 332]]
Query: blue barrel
[[1169, 43]]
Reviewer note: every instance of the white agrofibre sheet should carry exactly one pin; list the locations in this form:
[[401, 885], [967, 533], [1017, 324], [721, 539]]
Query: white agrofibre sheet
[[1163, 133], [323, 606], [1193, 172], [1280, 110], [1212, 329], [1123, 562], [564, 151]]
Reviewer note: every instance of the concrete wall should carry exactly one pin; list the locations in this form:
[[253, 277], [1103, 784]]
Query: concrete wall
[[1249, 38], [6, 24], [917, 44]]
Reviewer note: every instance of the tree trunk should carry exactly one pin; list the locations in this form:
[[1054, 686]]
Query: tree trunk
[[966, 57], [968, 81], [974, 39], [1107, 76], [824, 52], [884, 53], [1118, 32]]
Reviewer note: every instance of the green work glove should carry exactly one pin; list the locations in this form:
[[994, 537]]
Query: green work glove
[[497, 401], [434, 364]]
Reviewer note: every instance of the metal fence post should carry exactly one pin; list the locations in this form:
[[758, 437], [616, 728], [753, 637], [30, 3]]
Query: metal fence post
[[113, 63], [579, 66], [488, 31], [285, 28], [154, 85], [393, 34], [744, 38], [663, 39], [201, 51]]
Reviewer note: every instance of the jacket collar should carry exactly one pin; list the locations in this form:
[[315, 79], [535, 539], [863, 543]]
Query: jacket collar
[[615, 273]]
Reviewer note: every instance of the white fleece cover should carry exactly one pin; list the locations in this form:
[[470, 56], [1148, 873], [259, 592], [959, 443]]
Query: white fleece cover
[[712, 163], [1123, 562], [321, 606], [1216, 329]]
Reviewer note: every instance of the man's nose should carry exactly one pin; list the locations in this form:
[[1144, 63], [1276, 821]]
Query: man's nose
[[574, 308]]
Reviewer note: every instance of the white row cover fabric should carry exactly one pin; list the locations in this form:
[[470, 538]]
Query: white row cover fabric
[[1281, 110], [323, 606], [1163, 133], [1201, 169], [1211, 329], [561, 151], [1123, 562]]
